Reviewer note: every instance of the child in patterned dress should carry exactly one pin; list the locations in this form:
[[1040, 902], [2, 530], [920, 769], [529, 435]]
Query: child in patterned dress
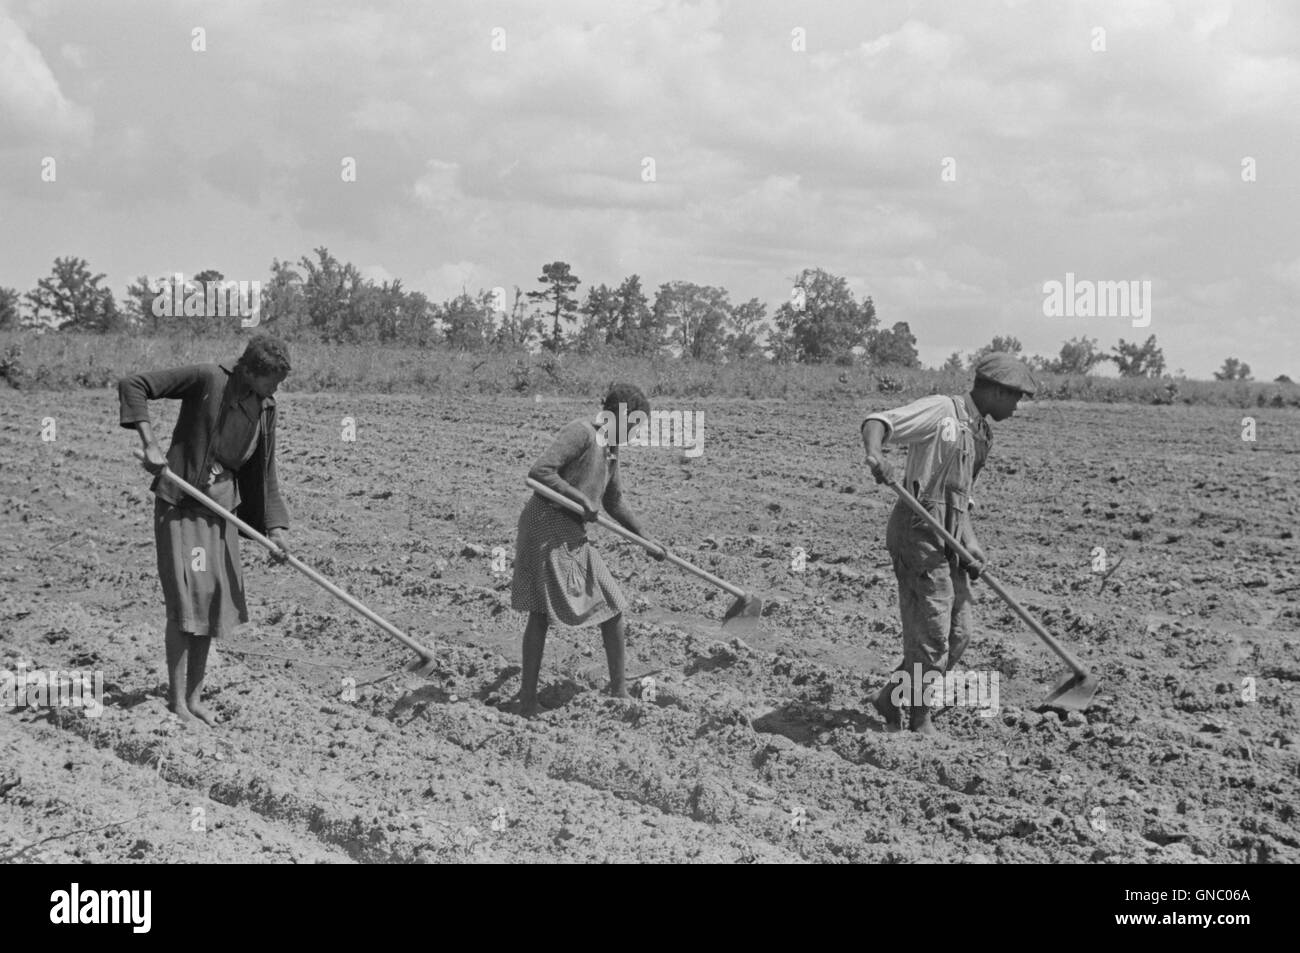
[[557, 572]]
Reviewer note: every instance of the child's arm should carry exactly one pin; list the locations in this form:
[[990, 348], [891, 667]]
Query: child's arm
[[569, 444], [905, 426], [275, 513], [873, 438], [618, 509], [972, 546], [614, 503]]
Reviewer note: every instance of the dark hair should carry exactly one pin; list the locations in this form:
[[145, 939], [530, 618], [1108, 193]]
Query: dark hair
[[265, 355], [628, 394]]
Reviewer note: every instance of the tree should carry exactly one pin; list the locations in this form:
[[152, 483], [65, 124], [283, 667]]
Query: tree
[[137, 305], [1282, 379], [284, 304], [560, 283], [518, 328], [601, 310], [746, 325], [210, 283], [9, 314], [825, 324], [329, 290], [639, 331], [1078, 356], [954, 362], [895, 347], [1233, 370], [416, 320], [695, 316], [780, 343], [1007, 345], [1134, 360], [74, 299], [376, 312], [467, 321]]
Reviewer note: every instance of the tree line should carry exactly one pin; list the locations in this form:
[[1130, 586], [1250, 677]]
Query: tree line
[[322, 299]]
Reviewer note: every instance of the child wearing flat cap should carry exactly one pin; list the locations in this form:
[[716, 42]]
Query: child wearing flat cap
[[948, 440]]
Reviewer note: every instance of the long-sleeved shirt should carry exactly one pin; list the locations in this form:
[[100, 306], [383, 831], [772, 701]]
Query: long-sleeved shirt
[[576, 464], [213, 429]]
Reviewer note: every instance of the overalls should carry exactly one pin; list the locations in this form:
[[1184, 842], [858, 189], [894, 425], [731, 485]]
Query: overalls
[[933, 592]]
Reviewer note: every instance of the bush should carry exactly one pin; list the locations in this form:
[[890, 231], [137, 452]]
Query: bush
[[11, 365], [33, 361]]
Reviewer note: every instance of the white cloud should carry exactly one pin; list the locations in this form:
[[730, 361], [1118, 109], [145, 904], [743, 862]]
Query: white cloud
[[451, 278], [477, 167], [917, 43], [376, 273], [1210, 18], [1288, 273], [32, 105], [386, 116], [437, 189], [74, 54]]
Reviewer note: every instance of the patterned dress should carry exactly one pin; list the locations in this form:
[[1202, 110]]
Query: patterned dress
[[557, 570]]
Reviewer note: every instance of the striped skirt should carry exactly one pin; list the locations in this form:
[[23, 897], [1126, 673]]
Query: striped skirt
[[198, 565], [557, 571]]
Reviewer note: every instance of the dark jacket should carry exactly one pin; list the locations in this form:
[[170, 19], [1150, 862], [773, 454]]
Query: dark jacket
[[201, 388]]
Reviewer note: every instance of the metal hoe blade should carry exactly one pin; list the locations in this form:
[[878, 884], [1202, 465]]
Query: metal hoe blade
[[742, 617], [1072, 693], [423, 665]]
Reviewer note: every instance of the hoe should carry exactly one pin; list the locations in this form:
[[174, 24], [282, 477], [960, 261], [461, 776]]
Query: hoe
[[743, 615]]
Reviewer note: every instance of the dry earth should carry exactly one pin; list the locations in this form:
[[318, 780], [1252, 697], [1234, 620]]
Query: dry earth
[[762, 750]]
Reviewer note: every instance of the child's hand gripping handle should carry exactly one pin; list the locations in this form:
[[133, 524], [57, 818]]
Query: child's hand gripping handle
[[609, 524]]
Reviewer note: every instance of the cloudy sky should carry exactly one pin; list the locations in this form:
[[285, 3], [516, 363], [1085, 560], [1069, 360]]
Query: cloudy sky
[[1110, 140]]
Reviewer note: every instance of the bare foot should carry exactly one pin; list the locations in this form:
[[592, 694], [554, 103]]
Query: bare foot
[[181, 711], [920, 722], [516, 706], [204, 713], [884, 704], [621, 704]]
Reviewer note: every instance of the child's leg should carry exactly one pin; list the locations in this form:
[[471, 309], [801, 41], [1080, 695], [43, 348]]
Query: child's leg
[[884, 701], [534, 643], [962, 618], [925, 597], [198, 670], [613, 631], [178, 644]]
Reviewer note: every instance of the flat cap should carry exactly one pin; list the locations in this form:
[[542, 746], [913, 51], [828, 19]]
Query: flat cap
[[1001, 368]]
